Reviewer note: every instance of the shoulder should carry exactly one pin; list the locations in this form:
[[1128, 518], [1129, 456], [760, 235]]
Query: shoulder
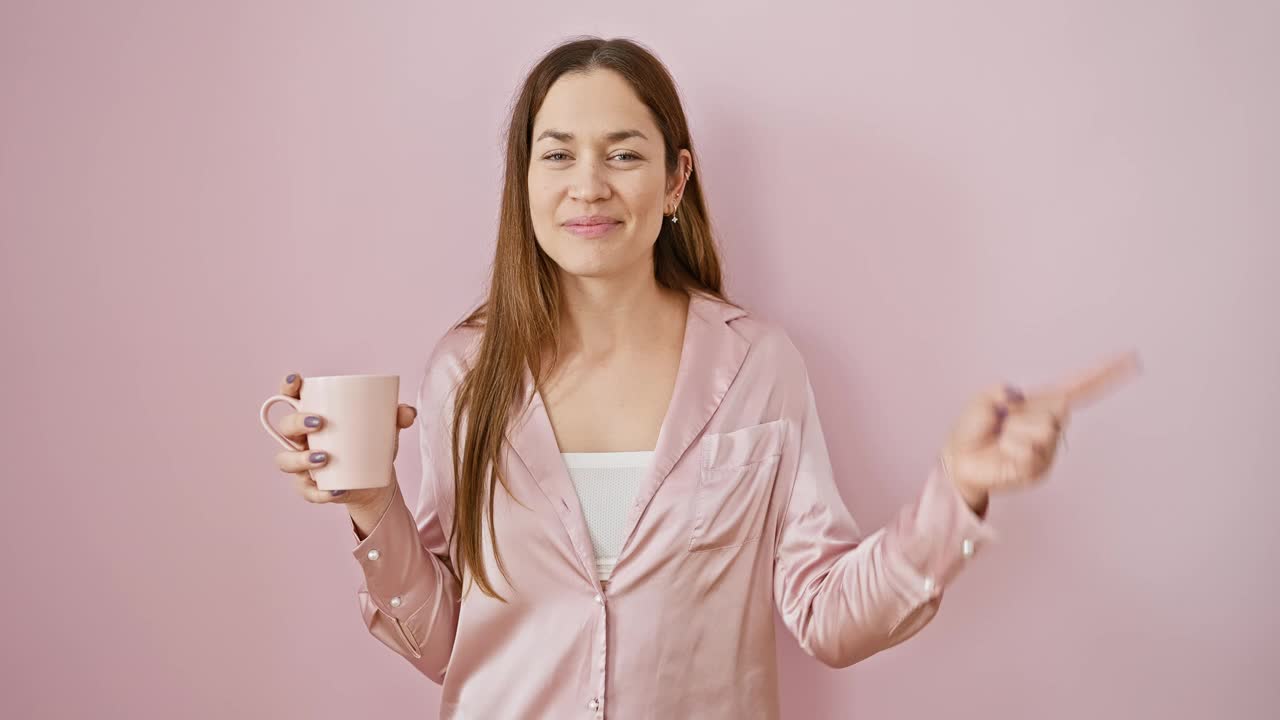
[[447, 363], [454, 349], [771, 345], [772, 358]]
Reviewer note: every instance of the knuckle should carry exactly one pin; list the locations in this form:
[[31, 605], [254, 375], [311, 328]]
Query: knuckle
[[295, 426]]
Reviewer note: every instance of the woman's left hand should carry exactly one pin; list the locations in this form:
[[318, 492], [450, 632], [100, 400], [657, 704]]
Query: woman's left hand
[[1006, 439]]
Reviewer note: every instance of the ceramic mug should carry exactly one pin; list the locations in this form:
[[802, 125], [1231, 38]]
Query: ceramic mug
[[358, 429]]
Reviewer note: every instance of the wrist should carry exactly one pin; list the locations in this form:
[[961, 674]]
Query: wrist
[[374, 504], [365, 515], [975, 497]]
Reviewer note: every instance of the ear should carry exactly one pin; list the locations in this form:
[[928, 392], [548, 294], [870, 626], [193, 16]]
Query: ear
[[676, 184]]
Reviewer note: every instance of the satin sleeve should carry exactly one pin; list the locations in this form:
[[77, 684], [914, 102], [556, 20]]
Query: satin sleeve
[[408, 597], [845, 596]]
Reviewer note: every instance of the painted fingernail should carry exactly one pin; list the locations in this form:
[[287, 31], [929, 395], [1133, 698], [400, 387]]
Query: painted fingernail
[[337, 492], [291, 378], [318, 457], [312, 421], [1014, 393]]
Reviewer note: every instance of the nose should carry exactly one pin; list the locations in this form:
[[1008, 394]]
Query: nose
[[589, 183]]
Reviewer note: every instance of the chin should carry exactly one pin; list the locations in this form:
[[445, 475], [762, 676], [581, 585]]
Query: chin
[[589, 268], [594, 262]]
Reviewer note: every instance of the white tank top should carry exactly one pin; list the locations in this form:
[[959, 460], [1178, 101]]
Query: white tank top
[[607, 483]]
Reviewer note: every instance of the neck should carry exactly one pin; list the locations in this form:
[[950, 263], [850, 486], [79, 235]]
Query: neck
[[603, 320]]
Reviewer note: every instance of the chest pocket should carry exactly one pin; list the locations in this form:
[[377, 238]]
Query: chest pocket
[[734, 484]]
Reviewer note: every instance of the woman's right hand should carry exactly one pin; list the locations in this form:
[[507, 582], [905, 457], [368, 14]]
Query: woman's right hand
[[296, 426]]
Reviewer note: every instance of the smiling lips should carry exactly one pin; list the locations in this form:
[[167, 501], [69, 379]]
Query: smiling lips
[[591, 226]]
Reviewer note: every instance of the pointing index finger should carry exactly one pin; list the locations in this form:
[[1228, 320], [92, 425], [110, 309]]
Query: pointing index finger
[[1092, 384]]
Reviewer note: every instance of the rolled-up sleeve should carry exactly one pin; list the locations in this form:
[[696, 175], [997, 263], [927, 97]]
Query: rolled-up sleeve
[[846, 597], [408, 598]]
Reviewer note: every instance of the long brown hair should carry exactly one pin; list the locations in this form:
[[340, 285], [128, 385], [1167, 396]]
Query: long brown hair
[[521, 314]]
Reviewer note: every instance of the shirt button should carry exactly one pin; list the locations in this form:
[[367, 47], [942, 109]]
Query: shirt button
[[966, 547], [928, 584], [396, 602], [594, 704], [374, 554], [599, 600]]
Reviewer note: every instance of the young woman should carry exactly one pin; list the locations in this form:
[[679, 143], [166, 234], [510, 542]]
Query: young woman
[[628, 467]]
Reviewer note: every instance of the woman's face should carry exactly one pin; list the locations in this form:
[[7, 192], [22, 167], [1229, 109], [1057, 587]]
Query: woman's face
[[597, 181]]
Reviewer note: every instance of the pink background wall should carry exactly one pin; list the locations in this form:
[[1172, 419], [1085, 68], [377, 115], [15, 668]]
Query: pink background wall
[[930, 197]]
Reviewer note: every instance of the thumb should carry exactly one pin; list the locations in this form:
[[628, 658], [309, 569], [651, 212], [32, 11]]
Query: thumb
[[405, 416]]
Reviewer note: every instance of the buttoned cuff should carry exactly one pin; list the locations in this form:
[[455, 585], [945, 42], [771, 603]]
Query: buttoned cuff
[[398, 571], [935, 537]]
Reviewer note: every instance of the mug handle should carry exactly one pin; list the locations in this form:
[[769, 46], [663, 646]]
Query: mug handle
[[266, 423]]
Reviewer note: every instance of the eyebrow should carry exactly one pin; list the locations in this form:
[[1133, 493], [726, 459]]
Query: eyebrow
[[615, 136]]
